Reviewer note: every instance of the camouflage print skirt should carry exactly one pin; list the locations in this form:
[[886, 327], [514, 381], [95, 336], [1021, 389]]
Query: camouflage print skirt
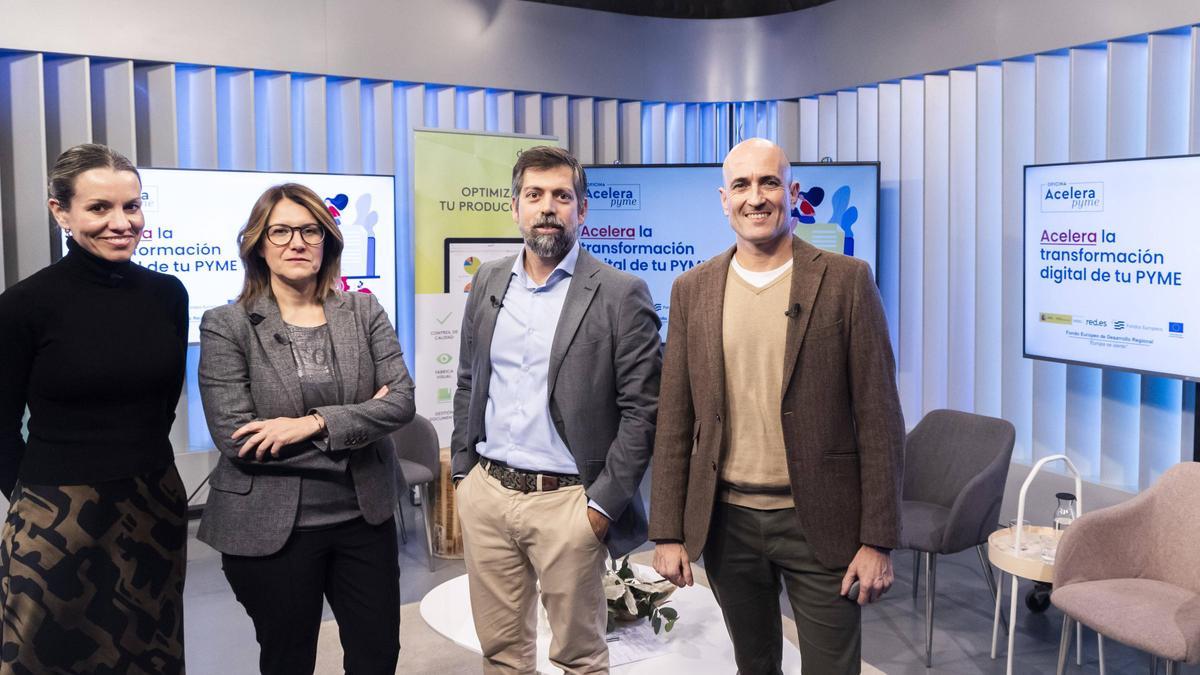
[[92, 577]]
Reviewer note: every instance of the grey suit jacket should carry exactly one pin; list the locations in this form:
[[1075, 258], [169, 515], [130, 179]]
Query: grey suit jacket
[[247, 373], [604, 369]]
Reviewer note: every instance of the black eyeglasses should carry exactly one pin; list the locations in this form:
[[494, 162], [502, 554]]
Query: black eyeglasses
[[282, 235]]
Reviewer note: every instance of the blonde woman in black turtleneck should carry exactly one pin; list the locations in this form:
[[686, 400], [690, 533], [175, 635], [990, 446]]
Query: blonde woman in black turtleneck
[[93, 550]]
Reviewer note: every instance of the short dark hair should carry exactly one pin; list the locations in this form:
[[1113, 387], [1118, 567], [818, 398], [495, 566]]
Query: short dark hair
[[543, 157], [81, 158]]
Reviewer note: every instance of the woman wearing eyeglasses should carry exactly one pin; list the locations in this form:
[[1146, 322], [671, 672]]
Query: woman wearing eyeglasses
[[299, 381]]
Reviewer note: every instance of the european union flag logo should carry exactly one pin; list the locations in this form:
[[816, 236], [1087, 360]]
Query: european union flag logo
[[1175, 327]]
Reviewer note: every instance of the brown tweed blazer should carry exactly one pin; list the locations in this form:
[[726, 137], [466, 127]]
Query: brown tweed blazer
[[841, 416]]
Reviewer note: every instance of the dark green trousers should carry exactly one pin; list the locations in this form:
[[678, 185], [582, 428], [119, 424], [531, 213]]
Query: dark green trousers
[[747, 554]]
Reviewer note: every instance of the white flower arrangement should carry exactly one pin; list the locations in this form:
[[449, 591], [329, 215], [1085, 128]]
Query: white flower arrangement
[[633, 593]]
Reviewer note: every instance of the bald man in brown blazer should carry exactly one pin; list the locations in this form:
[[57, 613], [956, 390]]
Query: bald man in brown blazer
[[778, 452]]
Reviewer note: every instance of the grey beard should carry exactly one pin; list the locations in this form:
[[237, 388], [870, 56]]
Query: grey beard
[[551, 246]]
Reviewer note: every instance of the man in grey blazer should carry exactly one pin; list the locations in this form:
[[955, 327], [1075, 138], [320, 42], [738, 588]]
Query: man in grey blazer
[[553, 426]]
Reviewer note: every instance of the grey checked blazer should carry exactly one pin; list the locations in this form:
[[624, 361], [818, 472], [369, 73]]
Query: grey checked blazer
[[603, 378], [247, 372]]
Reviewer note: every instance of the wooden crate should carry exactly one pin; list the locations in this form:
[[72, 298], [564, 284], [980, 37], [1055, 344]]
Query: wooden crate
[[447, 535]]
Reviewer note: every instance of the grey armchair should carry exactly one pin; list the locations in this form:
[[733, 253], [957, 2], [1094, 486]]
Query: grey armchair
[[418, 462], [955, 468], [1129, 571]]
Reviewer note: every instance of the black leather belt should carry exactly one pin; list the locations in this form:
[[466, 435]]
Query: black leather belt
[[527, 481]]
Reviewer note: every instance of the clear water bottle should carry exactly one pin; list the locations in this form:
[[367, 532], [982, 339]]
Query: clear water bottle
[[1066, 512], [1064, 515]]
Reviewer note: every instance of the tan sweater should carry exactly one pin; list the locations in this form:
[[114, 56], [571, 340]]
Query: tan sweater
[[754, 470]]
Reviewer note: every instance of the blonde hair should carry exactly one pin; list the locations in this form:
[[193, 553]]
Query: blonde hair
[[258, 276]]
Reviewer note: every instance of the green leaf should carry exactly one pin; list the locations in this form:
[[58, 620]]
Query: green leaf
[[656, 624], [669, 613], [670, 624]]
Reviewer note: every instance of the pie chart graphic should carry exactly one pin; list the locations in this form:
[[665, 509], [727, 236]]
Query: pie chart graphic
[[471, 265]]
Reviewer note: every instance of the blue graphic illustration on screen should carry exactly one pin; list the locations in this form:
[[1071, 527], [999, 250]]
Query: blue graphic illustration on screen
[[841, 213]]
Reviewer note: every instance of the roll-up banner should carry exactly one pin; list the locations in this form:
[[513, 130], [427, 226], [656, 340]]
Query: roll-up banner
[[461, 219]]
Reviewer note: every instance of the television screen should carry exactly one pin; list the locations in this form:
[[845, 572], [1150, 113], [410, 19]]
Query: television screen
[[192, 222], [193, 217], [658, 221], [1110, 261]]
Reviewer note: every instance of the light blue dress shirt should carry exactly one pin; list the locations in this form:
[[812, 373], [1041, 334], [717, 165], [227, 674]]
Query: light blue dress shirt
[[517, 421]]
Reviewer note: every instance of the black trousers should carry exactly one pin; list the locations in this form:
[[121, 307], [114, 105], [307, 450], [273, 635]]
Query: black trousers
[[354, 565], [747, 554]]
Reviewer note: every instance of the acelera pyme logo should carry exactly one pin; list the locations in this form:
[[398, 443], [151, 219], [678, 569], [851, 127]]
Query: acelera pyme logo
[[614, 196], [1058, 197], [150, 198]]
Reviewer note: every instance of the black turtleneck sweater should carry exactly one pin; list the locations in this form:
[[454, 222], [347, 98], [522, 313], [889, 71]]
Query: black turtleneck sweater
[[96, 349]]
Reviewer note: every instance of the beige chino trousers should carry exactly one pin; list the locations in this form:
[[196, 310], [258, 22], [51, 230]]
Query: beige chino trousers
[[514, 542]]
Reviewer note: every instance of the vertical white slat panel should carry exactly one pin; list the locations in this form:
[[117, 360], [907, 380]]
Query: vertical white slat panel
[[113, 116], [888, 273], [440, 111], [378, 128], [708, 133], [505, 104], [763, 120], [936, 254], [773, 121], [827, 127], [1089, 96], [343, 124], [608, 140], [989, 299], [470, 109], [960, 322], [26, 232], [1167, 116], [582, 134], [654, 133], [692, 151], [676, 133], [912, 247], [310, 149], [867, 116], [196, 116], [235, 119], [723, 113], [1128, 93], [154, 106], [273, 121], [1167, 126], [847, 125], [1120, 414], [1052, 103], [1016, 372], [68, 104], [1089, 87], [788, 128], [529, 114], [630, 130], [408, 113], [810, 130], [555, 118]]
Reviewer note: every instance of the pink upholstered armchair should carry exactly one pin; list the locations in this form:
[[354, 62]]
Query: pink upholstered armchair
[[1130, 571]]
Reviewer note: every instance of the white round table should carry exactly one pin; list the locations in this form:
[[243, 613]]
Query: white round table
[[698, 644]]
